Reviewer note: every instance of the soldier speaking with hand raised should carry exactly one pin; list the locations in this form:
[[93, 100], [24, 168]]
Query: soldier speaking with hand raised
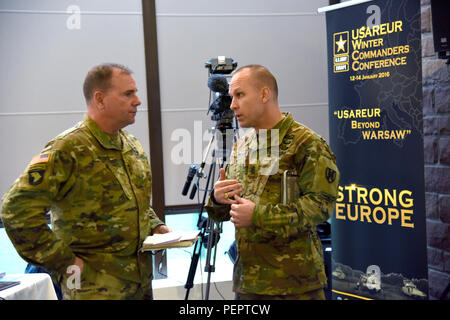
[[280, 183]]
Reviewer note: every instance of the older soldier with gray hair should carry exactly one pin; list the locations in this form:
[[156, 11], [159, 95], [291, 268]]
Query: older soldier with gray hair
[[279, 252], [95, 179]]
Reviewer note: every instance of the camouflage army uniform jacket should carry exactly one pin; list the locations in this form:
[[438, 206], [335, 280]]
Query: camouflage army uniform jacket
[[281, 253], [98, 188]]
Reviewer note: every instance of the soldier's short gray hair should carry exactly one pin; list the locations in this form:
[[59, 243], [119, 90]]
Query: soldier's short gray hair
[[99, 78]]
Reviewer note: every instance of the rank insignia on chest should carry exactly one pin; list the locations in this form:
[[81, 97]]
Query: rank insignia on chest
[[35, 177]]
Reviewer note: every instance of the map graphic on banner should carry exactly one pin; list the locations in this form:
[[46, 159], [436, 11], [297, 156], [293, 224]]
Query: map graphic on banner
[[375, 114]]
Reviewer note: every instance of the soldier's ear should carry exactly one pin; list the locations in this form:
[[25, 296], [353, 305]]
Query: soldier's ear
[[98, 98], [266, 94]]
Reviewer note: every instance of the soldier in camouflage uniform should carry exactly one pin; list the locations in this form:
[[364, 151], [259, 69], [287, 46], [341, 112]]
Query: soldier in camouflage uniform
[[279, 252], [95, 179]]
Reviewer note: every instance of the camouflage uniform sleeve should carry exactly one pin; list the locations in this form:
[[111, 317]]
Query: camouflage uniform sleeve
[[26, 204], [154, 220], [217, 211], [318, 184]]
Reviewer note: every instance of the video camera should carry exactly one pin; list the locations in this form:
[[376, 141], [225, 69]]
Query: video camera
[[221, 65], [218, 84]]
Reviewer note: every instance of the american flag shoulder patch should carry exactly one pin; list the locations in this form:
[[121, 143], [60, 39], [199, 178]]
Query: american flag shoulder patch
[[40, 158]]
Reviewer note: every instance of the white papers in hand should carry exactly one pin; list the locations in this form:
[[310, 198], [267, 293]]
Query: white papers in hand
[[170, 237]]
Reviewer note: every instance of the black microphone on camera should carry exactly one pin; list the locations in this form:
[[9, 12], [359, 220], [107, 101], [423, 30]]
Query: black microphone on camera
[[191, 173], [218, 83]]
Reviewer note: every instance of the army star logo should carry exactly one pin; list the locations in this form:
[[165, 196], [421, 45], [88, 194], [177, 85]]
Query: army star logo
[[330, 175], [340, 44], [35, 177]]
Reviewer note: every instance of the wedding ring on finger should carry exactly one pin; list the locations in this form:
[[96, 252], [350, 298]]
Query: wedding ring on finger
[[225, 195]]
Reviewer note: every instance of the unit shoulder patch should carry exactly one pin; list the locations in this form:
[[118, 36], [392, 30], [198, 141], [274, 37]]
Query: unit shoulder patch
[[330, 175], [35, 177]]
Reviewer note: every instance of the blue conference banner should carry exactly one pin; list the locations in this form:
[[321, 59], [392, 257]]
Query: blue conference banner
[[376, 131]]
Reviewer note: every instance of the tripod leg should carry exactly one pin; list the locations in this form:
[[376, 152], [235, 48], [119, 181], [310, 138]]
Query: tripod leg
[[208, 267], [210, 228], [195, 256], [212, 169], [213, 239], [198, 248], [214, 236]]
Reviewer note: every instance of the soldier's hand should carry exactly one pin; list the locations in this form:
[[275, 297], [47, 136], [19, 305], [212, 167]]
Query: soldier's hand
[[162, 229], [242, 212], [79, 263], [225, 190]]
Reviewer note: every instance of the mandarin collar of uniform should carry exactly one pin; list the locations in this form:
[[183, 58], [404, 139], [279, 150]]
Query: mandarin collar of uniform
[[282, 126], [108, 141]]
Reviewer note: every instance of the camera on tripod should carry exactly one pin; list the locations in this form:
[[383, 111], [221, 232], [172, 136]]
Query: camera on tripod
[[221, 112], [218, 84], [224, 116]]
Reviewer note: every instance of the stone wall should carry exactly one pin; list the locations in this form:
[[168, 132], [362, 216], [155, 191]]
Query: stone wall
[[436, 126]]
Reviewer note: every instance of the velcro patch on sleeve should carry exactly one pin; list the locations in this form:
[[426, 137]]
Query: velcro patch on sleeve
[[40, 158], [35, 177]]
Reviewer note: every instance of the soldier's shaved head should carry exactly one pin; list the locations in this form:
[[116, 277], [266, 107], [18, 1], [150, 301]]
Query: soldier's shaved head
[[261, 76]]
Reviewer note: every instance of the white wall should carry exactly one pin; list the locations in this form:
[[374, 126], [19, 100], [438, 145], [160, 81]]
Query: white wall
[[43, 64]]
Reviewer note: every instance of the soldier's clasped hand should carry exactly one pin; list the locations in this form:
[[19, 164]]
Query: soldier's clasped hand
[[225, 190]]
